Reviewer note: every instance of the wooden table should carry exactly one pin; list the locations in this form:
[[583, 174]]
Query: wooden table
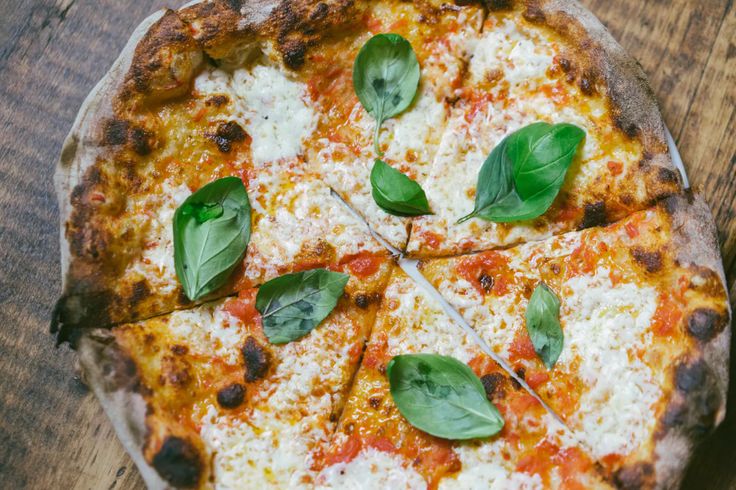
[[53, 434]]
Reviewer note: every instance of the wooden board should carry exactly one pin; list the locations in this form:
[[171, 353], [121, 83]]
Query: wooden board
[[52, 432]]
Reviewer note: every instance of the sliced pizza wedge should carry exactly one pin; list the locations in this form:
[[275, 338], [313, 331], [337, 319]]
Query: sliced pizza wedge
[[203, 399], [249, 119], [632, 354], [376, 447], [441, 36], [549, 62]]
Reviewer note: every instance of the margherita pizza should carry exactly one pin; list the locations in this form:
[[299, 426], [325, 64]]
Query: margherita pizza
[[233, 196]]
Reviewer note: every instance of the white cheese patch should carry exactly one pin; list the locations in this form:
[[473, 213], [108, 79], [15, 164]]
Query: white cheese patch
[[273, 445], [371, 470], [604, 327], [209, 331], [295, 210], [274, 110], [155, 213], [522, 56], [518, 60], [423, 324]]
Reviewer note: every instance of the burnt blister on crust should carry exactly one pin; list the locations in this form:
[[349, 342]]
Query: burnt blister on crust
[[705, 323], [256, 360], [696, 408], [226, 134], [635, 476], [178, 462], [594, 214], [492, 385], [651, 260], [231, 396]]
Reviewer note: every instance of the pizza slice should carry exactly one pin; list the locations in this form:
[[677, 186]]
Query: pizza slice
[[204, 398], [376, 447], [249, 120], [440, 35], [631, 350], [546, 62]]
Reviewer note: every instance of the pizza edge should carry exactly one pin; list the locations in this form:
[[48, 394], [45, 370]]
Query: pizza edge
[[697, 404]]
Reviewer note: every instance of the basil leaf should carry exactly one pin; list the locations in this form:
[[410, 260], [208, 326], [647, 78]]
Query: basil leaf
[[396, 193], [292, 305], [385, 78], [211, 234], [543, 324], [442, 396], [524, 173]]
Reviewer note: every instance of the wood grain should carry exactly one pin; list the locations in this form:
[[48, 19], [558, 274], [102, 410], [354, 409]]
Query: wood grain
[[52, 431]]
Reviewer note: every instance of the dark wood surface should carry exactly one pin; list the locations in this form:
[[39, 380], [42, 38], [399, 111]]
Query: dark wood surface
[[53, 434]]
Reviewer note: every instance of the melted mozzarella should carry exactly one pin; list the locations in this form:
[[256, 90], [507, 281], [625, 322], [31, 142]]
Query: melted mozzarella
[[604, 327], [273, 445], [521, 56], [274, 110], [155, 214], [371, 469]]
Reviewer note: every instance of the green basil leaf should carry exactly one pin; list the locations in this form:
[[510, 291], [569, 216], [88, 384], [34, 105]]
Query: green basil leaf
[[442, 396], [524, 173], [211, 234], [542, 153], [292, 305], [396, 193], [543, 324], [385, 78]]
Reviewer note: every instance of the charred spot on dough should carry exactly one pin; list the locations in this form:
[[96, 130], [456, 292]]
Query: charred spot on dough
[[375, 402], [363, 300], [226, 134], [594, 214], [486, 282], [534, 13], [175, 371], [702, 399], [179, 350], [492, 385], [705, 323], [217, 101], [319, 12], [294, 52], [667, 176], [629, 128], [140, 292], [651, 260], [256, 359], [587, 83], [231, 396], [140, 140], [114, 132], [635, 476], [178, 462]]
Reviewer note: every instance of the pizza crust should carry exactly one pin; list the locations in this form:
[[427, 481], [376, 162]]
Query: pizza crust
[[104, 370], [603, 59], [698, 403]]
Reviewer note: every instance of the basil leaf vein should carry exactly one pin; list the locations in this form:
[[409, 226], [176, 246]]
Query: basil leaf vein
[[524, 173], [211, 235], [293, 305], [442, 396], [543, 324], [385, 78], [396, 193]]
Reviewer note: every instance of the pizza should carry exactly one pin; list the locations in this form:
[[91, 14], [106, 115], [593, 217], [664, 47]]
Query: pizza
[[641, 311], [375, 447], [243, 198]]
